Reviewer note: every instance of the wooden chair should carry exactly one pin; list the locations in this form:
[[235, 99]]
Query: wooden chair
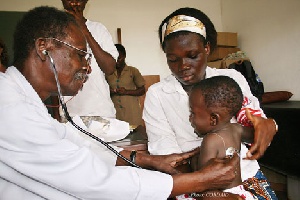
[[149, 80]]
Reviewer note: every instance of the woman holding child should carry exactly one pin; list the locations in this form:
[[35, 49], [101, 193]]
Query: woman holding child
[[187, 37]]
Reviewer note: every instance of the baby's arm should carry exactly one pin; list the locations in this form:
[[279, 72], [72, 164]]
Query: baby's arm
[[210, 148]]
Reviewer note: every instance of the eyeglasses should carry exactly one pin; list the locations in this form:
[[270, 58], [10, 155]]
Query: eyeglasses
[[88, 56]]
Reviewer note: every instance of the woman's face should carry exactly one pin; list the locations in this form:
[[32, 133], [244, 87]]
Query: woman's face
[[187, 58], [121, 60]]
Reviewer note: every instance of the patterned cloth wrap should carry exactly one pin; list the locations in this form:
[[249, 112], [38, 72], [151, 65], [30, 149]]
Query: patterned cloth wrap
[[260, 187]]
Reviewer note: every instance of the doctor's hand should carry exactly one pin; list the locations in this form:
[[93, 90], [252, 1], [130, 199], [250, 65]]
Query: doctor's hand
[[171, 163], [216, 174], [264, 131], [220, 172]]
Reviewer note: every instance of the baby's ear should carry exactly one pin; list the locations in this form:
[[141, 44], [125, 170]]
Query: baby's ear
[[214, 119]]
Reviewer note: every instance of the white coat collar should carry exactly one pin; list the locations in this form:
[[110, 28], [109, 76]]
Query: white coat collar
[[27, 91]]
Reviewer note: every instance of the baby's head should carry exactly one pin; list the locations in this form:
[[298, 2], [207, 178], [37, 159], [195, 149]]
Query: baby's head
[[213, 102]]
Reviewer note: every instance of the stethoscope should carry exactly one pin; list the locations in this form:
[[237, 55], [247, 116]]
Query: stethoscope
[[69, 119]]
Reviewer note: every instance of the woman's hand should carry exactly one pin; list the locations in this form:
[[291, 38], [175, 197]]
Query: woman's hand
[[264, 131], [121, 91]]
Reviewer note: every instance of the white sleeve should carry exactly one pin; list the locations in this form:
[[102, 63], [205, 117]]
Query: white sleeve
[[41, 150], [98, 148], [124, 182], [104, 39], [161, 137]]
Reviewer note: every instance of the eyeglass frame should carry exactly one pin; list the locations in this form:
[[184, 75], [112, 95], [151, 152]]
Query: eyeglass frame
[[87, 57]]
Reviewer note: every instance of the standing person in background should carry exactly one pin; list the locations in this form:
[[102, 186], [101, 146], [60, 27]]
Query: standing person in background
[[94, 98], [126, 85], [3, 56], [187, 37]]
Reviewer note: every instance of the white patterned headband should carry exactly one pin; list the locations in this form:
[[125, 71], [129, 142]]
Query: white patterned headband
[[183, 23]]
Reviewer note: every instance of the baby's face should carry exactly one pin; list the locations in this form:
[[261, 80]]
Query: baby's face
[[200, 116]]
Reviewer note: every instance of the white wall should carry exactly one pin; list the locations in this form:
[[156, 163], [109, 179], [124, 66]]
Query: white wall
[[268, 32], [138, 20]]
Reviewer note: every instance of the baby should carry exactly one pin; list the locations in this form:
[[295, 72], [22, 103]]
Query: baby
[[213, 102]]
